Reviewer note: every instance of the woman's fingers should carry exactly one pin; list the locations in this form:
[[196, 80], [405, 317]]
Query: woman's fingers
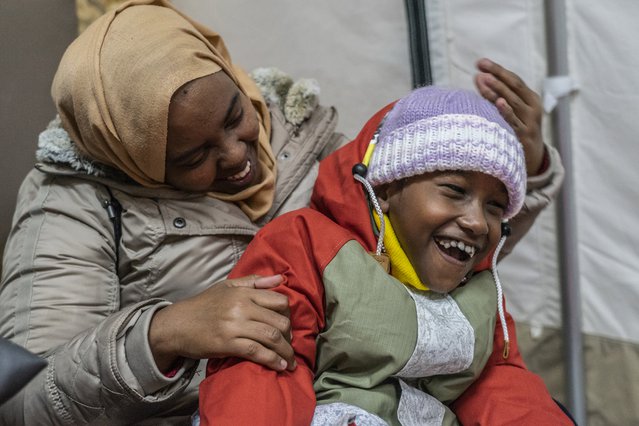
[[256, 281], [265, 344], [259, 317], [253, 351], [258, 334], [237, 318], [268, 325], [267, 299]]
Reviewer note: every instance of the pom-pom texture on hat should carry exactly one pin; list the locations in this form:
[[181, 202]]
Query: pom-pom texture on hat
[[437, 129]]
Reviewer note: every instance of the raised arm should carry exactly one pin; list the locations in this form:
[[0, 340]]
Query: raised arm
[[516, 395], [521, 107]]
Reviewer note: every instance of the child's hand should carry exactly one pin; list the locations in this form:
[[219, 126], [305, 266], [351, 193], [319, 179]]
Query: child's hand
[[518, 104]]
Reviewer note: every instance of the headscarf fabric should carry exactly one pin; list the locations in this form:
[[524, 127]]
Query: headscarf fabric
[[114, 85]]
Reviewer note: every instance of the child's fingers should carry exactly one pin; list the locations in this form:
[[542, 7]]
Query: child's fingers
[[481, 82], [510, 80], [515, 105], [509, 115], [524, 118]]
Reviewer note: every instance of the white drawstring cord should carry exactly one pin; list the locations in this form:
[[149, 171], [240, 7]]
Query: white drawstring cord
[[378, 210], [500, 295]]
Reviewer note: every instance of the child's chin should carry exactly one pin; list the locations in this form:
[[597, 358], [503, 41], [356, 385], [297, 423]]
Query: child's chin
[[443, 288]]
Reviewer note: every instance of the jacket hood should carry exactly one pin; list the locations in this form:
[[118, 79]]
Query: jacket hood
[[338, 195], [56, 147]]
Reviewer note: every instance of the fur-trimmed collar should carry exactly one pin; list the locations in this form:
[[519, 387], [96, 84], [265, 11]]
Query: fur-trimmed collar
[[55, 146], [296, 99]]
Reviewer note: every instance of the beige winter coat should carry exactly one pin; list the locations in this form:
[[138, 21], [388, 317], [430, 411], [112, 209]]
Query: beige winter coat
[[63, 296]]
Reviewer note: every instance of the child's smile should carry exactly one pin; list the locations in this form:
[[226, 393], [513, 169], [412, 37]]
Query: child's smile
[[460, 250], [446, 222]]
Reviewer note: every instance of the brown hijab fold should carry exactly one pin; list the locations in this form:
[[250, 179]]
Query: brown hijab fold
[[115, 81]]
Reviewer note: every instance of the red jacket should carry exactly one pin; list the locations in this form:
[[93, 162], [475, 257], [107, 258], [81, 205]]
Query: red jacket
[[299, 246]]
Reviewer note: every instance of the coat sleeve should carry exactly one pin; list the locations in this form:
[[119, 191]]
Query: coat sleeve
[[59, 298], [507, 393], [238, 392], [541, 191]]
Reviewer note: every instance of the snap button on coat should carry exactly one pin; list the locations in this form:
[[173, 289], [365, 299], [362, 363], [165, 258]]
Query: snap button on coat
[[179, 222]]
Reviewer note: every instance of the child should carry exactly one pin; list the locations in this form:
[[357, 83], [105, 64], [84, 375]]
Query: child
[[397, 335]]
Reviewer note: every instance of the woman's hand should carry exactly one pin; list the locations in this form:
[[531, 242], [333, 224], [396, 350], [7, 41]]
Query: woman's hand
[[518, 104], [233, 318]]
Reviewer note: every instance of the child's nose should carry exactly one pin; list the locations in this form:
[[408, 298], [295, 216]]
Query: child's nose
[[474, 220]]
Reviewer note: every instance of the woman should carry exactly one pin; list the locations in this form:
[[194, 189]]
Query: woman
[[166, 127], [119, 235]]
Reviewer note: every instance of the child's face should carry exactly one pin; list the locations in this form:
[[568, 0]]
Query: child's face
[[446, 222]]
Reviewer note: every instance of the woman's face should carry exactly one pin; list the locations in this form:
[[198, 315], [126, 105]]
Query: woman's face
[[446, 222], [212, 139]]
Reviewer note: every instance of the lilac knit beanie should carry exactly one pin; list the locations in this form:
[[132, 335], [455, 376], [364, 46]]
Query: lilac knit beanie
[[436, 128]]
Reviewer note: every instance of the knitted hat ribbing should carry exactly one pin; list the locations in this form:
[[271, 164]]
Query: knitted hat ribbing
[[434, 129]]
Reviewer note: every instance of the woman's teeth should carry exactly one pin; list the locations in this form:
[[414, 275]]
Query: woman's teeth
[[241, 175], [460, 245]]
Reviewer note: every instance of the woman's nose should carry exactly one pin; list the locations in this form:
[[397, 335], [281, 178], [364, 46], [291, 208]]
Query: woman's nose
[[232, 152], [474, 220]]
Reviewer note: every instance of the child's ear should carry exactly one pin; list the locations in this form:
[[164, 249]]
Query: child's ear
[[382, 193]]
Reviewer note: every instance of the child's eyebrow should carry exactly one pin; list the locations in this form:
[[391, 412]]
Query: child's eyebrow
[[466, 174], [459, 173]]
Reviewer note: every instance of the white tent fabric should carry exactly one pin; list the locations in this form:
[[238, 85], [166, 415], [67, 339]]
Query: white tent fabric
[[512, 34], [602, 62], [358, 51], [605, 57], [604, 129]]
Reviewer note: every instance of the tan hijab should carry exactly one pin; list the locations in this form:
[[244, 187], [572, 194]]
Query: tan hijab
[[114, 85]]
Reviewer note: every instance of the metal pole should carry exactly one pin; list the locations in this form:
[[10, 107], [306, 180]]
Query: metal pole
[[418, 40], [567, 217]]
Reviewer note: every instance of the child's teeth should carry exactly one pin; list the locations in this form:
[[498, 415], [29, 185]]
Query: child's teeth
[[470, 250]]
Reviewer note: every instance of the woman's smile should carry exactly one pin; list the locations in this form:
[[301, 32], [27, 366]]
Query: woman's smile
[[240, 175]]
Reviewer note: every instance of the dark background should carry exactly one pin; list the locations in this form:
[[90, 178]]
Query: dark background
[[33, 37]]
